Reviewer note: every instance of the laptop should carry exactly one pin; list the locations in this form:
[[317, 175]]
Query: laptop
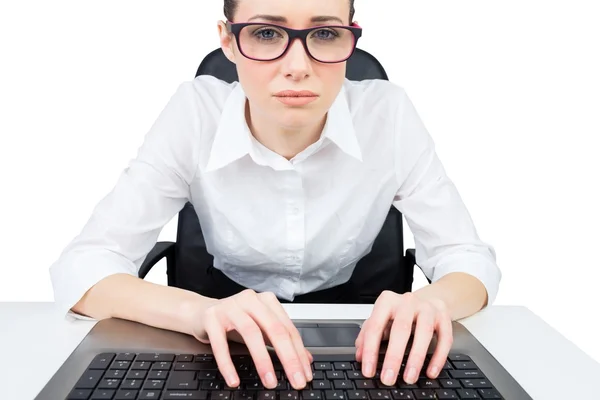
[[121, 360]]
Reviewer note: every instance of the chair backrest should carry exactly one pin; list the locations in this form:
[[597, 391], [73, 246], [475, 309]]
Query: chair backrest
[[383, 268]]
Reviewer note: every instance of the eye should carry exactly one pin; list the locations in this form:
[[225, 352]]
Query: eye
[[266, 33], [325, 34]]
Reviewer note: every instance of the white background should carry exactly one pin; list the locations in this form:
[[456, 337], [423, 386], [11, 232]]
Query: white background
[[509, 91]]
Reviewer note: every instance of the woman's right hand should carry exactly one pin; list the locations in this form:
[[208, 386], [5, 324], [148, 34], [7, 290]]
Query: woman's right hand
[[257, 320]]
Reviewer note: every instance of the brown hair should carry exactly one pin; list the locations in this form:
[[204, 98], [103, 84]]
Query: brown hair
[[230, 7]]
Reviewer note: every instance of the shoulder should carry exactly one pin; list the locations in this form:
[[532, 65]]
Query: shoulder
[[208, 91], [373, 95]]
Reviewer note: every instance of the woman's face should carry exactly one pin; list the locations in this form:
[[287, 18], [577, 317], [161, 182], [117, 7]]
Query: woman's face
[[295, 70]]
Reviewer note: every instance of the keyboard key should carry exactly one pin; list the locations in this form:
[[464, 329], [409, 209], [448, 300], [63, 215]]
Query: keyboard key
[[321, 385], [459, 357], [335, 375], [475, 383], [126, 394], [243, 395], [357, 395], [120, 364], [185, 358], [288, 395], [489, 394], [446, 394], [157, 374], [322, 366], [207, 375], [424, 394], [132, 384], [182, 380], [311, 395], [465, 374], [149, 394], [190, 366], [354, 375], [102, 361], [154, 384], [212, 385], [365, 384], [402, 394], [266, 395], [125, 357], [342, 366], [89, 379], [253, 385], [115, 373], [464, 365], [380, 395], [428, 384], [220, 395], [334, 395], [342, 385], [79, 394], [102, 394], [162, 366], [467, 394], [155, 357], [450, 383], [145, 365], [109, 384], [188, 395], [137, 374]]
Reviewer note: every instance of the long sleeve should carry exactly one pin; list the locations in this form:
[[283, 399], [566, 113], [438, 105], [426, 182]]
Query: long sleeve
[[125, 224], [445, 237]]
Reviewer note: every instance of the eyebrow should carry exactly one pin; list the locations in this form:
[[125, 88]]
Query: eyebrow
[[278, 18]]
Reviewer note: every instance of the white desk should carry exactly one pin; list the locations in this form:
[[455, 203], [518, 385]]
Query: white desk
[[35, 340]]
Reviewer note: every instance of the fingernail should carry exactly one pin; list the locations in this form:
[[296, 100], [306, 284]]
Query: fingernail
[[434, 371], [299, 379], [232, 381], [412, 375], [388, 378], [271, 381]]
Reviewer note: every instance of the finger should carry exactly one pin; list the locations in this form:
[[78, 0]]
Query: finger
[[445, 338], [358, 343], [421, 339], [271, 301], [254, 340], [373, 333], [217, 336], [399, 335], [279, 337]]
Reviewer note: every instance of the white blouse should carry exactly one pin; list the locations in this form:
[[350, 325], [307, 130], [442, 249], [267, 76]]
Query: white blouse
[[272, 224]]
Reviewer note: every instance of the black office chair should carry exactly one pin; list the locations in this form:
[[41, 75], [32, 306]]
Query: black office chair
[[385, 267]]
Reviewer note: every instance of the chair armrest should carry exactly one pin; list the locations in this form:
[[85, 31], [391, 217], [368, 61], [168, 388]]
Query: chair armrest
[[411, 259], [160, 250]]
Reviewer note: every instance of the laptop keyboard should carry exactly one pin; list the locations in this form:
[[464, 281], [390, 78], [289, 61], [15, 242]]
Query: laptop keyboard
[[157, 376]]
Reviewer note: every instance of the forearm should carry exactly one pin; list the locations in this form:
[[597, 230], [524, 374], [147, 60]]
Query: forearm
[[463, 294], [128, 297]]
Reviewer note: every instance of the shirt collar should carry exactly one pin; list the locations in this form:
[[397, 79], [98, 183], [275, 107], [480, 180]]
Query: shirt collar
[[233, 137]]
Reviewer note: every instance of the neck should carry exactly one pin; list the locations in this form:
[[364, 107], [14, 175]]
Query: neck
[[285, 142]]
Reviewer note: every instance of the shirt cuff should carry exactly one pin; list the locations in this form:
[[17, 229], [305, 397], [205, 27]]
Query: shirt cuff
[[71, 279], [476, 265]]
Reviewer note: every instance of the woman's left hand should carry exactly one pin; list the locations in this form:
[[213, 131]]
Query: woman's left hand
[[392, 319]]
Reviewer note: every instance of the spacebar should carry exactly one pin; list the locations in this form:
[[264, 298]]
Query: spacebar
[[186, 394]]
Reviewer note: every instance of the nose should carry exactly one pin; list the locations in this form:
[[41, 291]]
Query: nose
[[296, 63]]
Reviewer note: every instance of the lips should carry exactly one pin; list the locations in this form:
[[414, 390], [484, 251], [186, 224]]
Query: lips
[[294, 93]]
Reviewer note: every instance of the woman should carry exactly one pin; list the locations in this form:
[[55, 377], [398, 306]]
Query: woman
[[291, 171]]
